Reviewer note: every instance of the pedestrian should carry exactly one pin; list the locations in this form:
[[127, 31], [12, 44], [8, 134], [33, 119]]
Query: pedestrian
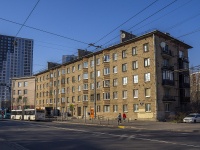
[[124, 117], [119, 118]]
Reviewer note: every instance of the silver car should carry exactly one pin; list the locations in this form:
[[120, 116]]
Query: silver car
[[195, 117]]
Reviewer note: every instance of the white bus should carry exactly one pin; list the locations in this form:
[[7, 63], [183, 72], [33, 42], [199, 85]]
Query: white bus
[[16, 114], [34, 114], [28, 114]]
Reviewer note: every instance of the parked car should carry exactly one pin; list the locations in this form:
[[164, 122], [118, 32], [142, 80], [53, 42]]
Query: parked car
[[195, 117]]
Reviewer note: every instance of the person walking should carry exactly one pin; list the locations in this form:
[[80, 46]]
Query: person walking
[[124, 117], [119, 118]]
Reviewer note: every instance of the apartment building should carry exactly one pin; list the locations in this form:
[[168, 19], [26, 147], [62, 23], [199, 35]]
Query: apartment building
[[16, 60], [23, 93], [146, 77]]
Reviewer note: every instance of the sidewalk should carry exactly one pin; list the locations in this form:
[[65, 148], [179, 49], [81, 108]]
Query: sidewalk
[[139, 125]]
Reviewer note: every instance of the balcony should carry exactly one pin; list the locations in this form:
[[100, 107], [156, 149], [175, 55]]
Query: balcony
[[168, 67], [184, 99], [184, 85], [167, 53], [166, 82], [168, 98]]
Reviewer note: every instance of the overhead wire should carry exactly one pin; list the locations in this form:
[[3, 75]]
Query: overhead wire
[[144, 20]]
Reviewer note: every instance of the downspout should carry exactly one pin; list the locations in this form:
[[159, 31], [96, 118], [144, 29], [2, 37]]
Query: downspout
[[156, 86]]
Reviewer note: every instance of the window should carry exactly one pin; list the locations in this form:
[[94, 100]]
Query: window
[[79, 77], [85, 97], [114, 82], [25, 84], [92, 63], [186, 79], [73, 79], [146, 47], [73, 68], [92, 86], [98, 85], [98, 73], [134, 51], [106, 58], [98, 108], [115, 95], [167, 107], [125, 108], [92, 97], [98, 97], [181, 54], [124, 67], [124, 94], [79, 88], [85, 64], [106, 83], [85, 86], [73, 89], [115, 56], [92, 75], [98, 61], [135, 79], [124, 54], [85, 75], [62, 99], [67, 80], [79, 67], [73, 99], [115, 108], [68, 70], [79, 98], [25, 91], [147, 62], [168, 75], [135, 107], [147, 92], [106, 96], [135, 64], [63, 71], [147, 107], [106, 71], [124, 80], [115, 69], [19, 92], [135, 93], [63, 81], [19, 84], [146, 77], [63, 90], [106, 108]]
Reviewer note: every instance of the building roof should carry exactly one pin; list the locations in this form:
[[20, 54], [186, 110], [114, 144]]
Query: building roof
[[19, 78], [156, 32]]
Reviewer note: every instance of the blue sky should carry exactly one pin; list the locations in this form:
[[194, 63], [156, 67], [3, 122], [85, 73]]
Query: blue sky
[[87, 21]]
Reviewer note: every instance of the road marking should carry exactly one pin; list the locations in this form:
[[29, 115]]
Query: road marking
[[121, 136]]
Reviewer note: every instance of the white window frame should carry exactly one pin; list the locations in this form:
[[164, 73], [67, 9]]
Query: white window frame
[[147, 107], [98, 61], [85, 97], [135, 107], [106, 58], [85, 64], [124, 94], [124, 80], [98, 73], [134, 51], [85, 75], [146, 62], [115, 82], [85, 86], [106, 108], [115, 108], [115, 95], [106, 83], [125, 108], [124, 67], [124, 55], [115, 56], [135, 93], [114, 69], [146, 47], [147, 90], [106, 71], [106, 96], [135, 79], [147, 77], [135, 65]]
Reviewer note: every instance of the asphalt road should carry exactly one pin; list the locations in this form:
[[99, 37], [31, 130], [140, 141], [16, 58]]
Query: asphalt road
[[24, 135]]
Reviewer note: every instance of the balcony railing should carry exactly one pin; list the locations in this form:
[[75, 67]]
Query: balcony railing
[[184, 99], [168, 67], [184, 85], [167, 52], [168, 98], [168, 82]]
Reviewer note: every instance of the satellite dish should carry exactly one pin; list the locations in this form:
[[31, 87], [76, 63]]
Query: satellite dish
[[163, 44], [123, 35]]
